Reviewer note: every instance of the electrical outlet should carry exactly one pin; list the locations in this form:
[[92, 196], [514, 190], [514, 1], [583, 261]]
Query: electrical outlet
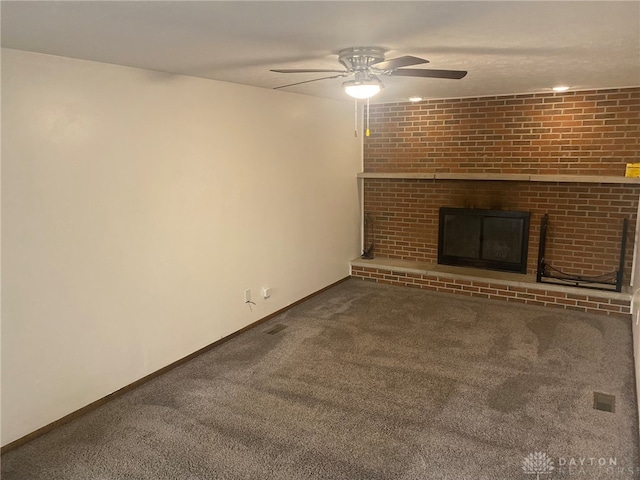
[[247, 295]]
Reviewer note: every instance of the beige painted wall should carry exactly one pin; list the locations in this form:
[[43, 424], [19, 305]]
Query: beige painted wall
[[137, 207]]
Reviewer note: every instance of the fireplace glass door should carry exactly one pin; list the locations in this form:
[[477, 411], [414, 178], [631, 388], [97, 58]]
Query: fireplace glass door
[[489, 239]]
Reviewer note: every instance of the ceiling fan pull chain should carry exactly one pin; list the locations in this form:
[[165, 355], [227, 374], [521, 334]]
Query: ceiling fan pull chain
[[355, 131], [366, 134]]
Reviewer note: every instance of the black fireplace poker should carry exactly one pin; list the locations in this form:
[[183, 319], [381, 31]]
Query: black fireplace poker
[[367, 253]]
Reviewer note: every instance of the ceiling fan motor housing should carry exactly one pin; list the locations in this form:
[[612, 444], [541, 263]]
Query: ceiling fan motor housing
[[360, 58]]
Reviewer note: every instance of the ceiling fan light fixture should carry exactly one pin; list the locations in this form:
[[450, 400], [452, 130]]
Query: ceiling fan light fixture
[[362, 89], [365, 64]]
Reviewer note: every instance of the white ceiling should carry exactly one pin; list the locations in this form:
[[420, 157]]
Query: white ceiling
[[507, 46]]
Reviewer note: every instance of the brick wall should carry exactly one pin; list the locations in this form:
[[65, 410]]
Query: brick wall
[[577, 133], [585, 220]]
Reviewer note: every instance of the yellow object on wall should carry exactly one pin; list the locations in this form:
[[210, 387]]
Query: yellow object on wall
[[633, 170]]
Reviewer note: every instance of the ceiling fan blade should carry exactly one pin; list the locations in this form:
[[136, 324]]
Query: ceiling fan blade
[[425, 73], [344, 74], [305, 70], [399, 62]]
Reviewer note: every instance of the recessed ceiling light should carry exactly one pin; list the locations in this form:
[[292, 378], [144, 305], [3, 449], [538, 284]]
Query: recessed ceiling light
[[415, 99], [560, 88]]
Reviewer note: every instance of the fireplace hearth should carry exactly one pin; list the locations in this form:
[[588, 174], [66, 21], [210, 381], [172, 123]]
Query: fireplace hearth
[[487, 239]]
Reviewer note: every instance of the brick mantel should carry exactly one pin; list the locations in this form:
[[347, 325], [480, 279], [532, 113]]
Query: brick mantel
[[505, 177]]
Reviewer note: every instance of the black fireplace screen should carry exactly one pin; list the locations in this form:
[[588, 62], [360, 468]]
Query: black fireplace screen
[[489, 239]]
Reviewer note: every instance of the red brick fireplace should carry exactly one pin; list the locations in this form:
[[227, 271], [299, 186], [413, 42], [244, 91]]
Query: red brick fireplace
[[561, 154]]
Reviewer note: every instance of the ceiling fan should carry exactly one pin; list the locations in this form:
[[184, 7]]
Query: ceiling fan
[[365, 64]]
